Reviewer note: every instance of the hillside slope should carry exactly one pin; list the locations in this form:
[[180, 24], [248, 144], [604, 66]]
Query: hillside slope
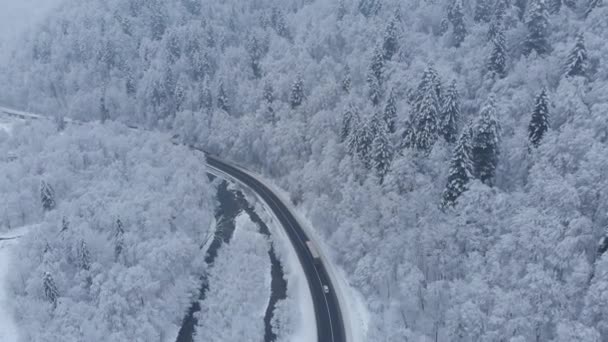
[[453, 152]]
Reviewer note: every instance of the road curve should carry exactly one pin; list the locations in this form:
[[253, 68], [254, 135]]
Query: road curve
[[330, 325]]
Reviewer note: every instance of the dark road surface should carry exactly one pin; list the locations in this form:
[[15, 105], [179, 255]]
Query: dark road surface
[[330, 326]]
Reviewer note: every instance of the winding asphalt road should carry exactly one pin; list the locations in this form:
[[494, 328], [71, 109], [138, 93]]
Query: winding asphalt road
[[330, 326]]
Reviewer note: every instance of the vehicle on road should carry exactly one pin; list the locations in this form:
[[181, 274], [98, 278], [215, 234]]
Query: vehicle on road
[[313, 252], [325, 288]]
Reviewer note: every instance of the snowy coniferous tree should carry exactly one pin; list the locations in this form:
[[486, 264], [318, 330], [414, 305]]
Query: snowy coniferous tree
[[375, 90], [268, 97], [390, 113], [277, 18], [84, 258], [483, 11], [370, 7], [255, 56], [425, 122], [459, 172], [376, 67], [104, 112], [497, 63], [375, 76], [296, 97], [222, 98], [538, 29], [206, 97], [450, 113], [539, 124], [360, 142], [50, 289], [391, 42], [47, 196], [576, 65], [119, 241], [346, 80], [350, 122], [382, 152], [459, 29], [484, 143], [425, 119]]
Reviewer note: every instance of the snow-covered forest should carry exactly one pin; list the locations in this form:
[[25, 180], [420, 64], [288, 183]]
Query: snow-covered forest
[[116, 221], [452, 153]]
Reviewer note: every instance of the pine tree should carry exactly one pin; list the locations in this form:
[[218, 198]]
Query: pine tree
[[375, 90], [576, 65], [390, 113], [483, 11], [360, 142], [268, 96], [296, 97], [460, 171], [485, 140], [350, 122], [255, 56], [391, 42], [84, 258], [119, 242], [450, 113], [425, 118], [222, 98], [376, 67], [370, 8], [538, 29], [206, 97], [104, 112], [47, 196], [375, 75], [539, 124], [50, 289], [591, 5], [346, 80], [382, 152], [459, 29], [497, 63], [277, 19]]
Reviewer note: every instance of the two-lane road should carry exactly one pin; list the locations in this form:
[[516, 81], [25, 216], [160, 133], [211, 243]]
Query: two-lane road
[[330, 326]]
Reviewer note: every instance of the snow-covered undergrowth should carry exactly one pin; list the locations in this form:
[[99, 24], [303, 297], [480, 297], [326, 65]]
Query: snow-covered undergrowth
[[239, 288], [116, 254]]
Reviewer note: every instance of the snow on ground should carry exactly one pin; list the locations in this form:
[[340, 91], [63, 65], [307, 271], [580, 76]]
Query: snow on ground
[[239, 288], [8, 327], [354, 310], [302, 323], [5, 125]]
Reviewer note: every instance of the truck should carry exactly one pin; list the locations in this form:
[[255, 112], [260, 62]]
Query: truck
[[314, 252]]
